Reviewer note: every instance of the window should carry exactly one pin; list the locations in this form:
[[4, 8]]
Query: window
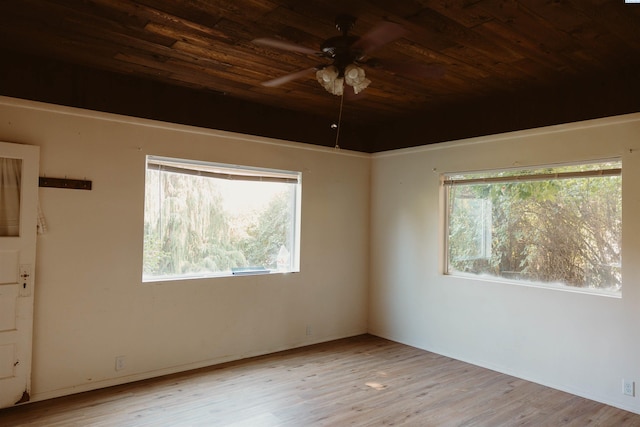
[[10, 182], [207, 219], [555, 226]]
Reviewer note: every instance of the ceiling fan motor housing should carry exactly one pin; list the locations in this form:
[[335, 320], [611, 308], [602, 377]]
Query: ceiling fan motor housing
[[340, 48], [344, 23]]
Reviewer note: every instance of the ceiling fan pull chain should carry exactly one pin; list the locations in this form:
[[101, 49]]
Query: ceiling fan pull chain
[[337, 147]]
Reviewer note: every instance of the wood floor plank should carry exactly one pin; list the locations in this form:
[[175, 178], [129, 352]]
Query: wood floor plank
[[362, 381]]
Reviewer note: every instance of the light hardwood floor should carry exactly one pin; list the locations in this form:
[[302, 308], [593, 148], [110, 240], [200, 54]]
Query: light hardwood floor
[[363, 381]]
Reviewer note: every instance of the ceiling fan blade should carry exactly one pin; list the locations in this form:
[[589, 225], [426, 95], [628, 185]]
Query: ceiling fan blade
[[383, 33], [280, 44], [288, 78]]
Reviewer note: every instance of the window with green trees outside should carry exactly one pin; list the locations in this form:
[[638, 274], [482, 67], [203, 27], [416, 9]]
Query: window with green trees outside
[[209, 219], [557, 226]]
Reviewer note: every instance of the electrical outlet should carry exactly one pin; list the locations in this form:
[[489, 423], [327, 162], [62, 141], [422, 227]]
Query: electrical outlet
[[309, 331], [120, 363], [629, 387]]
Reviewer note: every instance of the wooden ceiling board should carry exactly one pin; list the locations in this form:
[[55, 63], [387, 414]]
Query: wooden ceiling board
[[463, 12], [488, 49]]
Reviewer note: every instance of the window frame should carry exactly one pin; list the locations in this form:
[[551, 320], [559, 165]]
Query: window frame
[[446, 181], [234, 172]]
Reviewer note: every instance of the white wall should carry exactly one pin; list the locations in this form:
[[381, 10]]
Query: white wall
[[581, 343], [91, 306], [90, 303]]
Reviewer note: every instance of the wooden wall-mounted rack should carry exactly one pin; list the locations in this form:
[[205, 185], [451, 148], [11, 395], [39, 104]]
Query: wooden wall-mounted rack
[[73, 184]]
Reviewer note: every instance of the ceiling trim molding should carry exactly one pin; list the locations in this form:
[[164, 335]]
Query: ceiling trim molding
[[519, 134], [155, 124]]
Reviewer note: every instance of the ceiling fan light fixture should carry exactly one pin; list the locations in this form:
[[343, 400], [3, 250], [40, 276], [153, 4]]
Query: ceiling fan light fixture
[[329, 78], [327, 75], [338, 87], [354, 76]]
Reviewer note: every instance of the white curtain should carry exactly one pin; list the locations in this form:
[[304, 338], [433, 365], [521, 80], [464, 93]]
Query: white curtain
[[10, 173]]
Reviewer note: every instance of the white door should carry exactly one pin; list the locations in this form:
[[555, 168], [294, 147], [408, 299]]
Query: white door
[[18, 221]]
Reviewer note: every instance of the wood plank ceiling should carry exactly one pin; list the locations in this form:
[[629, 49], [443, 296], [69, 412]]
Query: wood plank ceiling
[[507, 64]]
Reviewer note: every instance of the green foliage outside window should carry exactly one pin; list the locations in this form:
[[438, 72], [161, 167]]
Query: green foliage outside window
[[188, 231], [565, 231]]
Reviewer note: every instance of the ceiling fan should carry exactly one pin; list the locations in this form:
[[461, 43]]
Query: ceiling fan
[[349, 54]]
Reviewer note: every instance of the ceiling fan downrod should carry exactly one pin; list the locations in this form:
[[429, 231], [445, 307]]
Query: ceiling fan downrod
[[344, 23]]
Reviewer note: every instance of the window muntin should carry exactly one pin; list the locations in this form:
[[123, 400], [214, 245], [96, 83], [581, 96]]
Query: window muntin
[[209, 219], [559, 227]]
